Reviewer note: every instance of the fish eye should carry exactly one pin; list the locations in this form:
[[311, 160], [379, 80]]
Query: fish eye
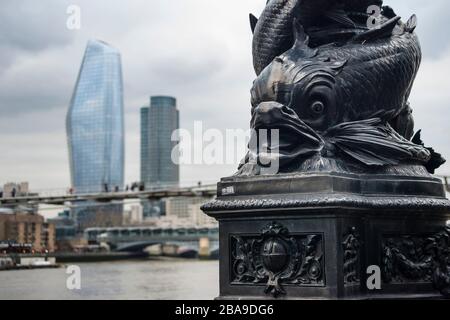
[[317, 107]]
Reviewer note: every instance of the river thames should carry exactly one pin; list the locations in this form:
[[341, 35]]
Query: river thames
[[142, 279]]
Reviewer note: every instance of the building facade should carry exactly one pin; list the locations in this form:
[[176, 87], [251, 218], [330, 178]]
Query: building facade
[[158, 170], [158, 122], [12, 189], [95, 131], [25, 228], [199, 217], [144, 145], [187, 211], [133, 216]]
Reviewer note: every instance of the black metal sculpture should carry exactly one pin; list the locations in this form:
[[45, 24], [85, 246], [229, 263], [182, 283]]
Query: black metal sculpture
[[335, 81], [353, 189]]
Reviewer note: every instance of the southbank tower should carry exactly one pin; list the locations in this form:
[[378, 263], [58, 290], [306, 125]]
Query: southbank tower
[[158, 122], [158, 170]]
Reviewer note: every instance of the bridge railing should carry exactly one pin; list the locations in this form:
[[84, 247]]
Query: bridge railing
[[96, 189], [59, 197]]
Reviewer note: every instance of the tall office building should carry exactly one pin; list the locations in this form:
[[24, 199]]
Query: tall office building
[[95, 132], [144, 145], [158, 122]]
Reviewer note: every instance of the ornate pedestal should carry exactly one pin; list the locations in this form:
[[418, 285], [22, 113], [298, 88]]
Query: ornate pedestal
[[314, 236]]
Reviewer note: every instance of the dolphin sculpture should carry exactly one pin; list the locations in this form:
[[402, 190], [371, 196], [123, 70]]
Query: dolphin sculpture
[[335, 88]]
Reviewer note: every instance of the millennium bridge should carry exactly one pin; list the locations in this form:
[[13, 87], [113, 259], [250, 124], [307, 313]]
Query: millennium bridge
[[102, 197]]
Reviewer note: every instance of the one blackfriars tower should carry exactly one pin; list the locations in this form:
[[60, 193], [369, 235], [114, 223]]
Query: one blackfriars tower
[[95, 132]]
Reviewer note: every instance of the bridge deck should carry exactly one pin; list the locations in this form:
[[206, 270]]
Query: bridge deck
[[108, 197]]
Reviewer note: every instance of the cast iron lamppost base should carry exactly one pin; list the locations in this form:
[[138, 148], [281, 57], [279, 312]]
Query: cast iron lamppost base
[[314, 236]]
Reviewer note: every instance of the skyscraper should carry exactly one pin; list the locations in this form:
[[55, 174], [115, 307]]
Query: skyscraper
[[144, 144], [95, 124], [158, 122]]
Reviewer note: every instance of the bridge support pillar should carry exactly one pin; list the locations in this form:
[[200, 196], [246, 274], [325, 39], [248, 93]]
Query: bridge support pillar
[[204, 251]]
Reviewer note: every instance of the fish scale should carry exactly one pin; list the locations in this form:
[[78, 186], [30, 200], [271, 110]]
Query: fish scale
[[399, 56], [273, 33]]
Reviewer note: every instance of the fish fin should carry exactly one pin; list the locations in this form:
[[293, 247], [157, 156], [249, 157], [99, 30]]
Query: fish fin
[[374, 143], [340, 16], [388, 12], [300, 35], [302, 40], [253, 22], [417, 139], [436, 159], [381, 31], [411, 25]]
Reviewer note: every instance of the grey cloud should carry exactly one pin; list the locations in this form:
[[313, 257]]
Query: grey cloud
[[165, 47], [28, 26], [433, 23], [38, 82], [32, 76]]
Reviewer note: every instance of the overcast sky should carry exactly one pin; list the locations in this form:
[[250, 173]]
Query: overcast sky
[[196, 50]]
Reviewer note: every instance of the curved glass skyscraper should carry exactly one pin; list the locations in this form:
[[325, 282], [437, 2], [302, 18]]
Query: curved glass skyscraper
[[95, 122], [95, 133]]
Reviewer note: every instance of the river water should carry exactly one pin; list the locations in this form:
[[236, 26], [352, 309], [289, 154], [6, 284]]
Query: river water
[[143, 279]]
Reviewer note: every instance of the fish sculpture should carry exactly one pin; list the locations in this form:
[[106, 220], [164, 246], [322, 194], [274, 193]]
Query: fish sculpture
[[336, 88]]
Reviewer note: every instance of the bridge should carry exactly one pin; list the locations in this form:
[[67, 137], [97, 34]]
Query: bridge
[[61, 198], [133, 239], [104, 197]]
